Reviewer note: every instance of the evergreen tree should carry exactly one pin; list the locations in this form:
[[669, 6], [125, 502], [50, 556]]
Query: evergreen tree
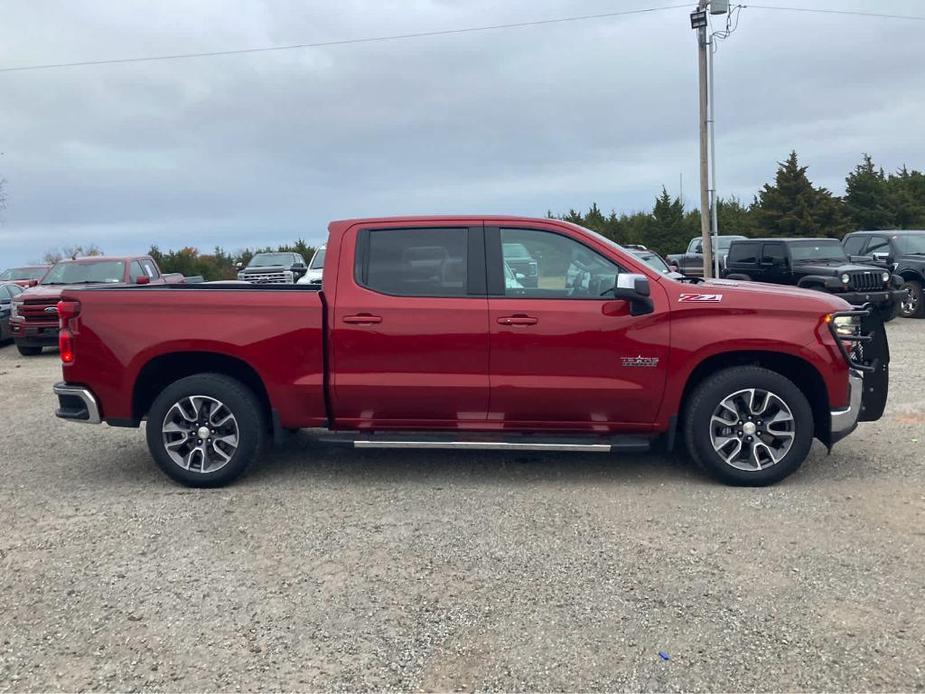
[[866, 197], [733, 217], [905, 191], [794, 207]]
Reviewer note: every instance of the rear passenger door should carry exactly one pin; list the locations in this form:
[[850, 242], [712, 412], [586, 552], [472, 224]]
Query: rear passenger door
[[743, 259], [775, 264], [409, 339]]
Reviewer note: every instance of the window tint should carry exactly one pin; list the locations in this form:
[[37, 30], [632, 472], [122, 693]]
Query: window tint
[[773, 252], [740, 252], [854, 244], [878, 244], [543, 264], [416, 262]]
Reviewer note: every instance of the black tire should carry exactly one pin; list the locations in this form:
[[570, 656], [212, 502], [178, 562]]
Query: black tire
[[249, 423], [914, 306], [715, 389], [28, 350]]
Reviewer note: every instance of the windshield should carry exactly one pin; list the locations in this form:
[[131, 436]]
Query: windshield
[[910, 244], [654, 261], [103, 271], [818, 249], [23, 273], [723, 242], [270, 259], [318, 260]]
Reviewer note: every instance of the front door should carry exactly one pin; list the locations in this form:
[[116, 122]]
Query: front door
[[563, 355], [409, 337]]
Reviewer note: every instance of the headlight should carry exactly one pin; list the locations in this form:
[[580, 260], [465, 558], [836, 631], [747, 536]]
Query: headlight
[[14, 310], [241, 276], [886, 277], [846, 278], [847, 325]]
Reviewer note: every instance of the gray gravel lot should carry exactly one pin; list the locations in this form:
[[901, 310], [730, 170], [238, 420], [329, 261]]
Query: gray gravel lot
[[333, 569]]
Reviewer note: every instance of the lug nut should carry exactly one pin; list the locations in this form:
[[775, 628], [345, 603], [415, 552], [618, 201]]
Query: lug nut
[[749, 439]]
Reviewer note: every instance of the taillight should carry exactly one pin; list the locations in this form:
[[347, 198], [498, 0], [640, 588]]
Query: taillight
[[68, 310], [66, 346]]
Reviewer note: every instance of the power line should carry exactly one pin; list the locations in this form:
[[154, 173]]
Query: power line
[[854, 13], [343, 42]]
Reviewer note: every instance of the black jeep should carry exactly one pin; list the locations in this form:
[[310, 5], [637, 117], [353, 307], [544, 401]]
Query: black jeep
[[903, 251], [820, 264]]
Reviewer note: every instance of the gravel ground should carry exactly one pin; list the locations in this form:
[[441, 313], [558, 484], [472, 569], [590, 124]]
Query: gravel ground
[[343, 570]]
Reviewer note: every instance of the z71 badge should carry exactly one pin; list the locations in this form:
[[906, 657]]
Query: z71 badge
[[648, 362], [700, 298]]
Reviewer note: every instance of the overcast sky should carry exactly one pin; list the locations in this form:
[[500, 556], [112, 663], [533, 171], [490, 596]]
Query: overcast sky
[[263, 148]]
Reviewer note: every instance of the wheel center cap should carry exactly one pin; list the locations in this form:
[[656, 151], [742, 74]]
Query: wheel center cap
[[749, 428], [203, 432]]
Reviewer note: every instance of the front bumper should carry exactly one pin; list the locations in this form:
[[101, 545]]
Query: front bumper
[[875, 299], [42, 335], [845, 420], [76, 403]]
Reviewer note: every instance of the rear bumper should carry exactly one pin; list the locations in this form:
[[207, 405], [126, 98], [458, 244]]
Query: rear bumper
[[845, 420], [76, 403]]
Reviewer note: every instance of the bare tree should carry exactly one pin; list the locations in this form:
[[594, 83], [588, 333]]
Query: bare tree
[[73, 252]]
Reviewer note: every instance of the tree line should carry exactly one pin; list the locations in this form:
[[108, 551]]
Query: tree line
[[790, 206]]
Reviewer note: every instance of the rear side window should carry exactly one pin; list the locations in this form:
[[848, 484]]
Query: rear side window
[[854, 244], [414, 262], [743, 253], [150, 268], [773, 253]]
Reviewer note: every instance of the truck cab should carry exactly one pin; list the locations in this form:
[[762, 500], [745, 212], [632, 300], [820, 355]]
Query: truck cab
[[690, 262]]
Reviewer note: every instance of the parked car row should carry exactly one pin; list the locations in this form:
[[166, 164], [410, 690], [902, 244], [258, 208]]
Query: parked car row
[[31, 315], [885, 269]]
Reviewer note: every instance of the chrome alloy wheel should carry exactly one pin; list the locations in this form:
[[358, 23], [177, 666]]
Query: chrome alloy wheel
[[200, 434], [752, 429], [910, 303]]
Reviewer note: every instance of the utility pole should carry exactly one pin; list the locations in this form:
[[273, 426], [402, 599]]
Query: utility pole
[[699, 22]]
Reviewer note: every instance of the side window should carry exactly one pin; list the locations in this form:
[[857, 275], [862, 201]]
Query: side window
[[14, 289], [742, 253], [135, 271], [878, 244], [414, 262], [696, 246], [150, 268], [854, 244], [5, 293], [773, 253], [544, 264]]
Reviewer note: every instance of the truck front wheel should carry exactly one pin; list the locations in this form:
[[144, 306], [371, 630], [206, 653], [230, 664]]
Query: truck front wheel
[[748, 426], [204, 430], [913, 303]]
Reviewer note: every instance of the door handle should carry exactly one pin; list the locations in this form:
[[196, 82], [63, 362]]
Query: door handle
[[519, 319], [363, 319]]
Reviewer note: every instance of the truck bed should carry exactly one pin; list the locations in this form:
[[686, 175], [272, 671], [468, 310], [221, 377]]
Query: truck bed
[[134, 339]]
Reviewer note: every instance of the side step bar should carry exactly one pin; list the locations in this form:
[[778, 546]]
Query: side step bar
[[623, 444]]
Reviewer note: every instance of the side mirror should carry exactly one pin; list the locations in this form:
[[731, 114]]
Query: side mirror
[[144, 279], [634, 289], [238, 265], [882, 257], [33, 283]]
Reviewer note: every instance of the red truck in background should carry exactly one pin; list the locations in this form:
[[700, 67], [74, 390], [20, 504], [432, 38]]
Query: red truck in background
[[24, 275], [34, 319], [423, 336]]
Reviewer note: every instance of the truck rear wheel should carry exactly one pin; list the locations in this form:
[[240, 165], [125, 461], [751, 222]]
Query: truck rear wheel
[[748, 426], [204, 430]]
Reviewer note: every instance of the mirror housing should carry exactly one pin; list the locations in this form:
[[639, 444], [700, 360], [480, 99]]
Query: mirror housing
[[238, 265], [882, 257], [144, 279], [634, 289]]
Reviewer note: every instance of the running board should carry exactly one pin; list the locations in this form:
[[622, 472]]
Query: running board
[[622, 444]]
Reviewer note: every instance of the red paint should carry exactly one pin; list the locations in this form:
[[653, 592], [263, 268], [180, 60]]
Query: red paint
[[477, 363]]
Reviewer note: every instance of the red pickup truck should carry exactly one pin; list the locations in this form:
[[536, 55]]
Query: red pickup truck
[[422, 335], [34, 320]]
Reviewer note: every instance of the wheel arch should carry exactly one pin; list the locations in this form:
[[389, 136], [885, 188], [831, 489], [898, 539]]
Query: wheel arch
[[803, 374], [165, 369]]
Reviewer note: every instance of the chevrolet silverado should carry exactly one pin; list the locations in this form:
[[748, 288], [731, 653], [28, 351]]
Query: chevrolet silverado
[[420, 339]]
